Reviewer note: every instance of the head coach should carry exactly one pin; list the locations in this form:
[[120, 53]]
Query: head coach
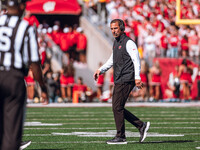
[[126, 65]]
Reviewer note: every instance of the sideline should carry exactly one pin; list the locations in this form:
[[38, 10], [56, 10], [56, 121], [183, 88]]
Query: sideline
[[129, 104]]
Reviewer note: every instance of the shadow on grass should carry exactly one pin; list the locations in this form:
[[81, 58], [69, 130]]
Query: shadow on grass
[[178, 141]]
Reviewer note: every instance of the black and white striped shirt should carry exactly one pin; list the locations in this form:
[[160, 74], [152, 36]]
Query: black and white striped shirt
[[18, 43]]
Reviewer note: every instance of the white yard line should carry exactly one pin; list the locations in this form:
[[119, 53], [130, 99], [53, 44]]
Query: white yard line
[[110, 115], [129, 104], [183, 128], [111, 119], [110, 112], [63, 142], [88, 142]]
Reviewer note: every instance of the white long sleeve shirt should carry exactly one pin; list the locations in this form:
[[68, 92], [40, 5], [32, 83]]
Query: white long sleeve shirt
[[132, 50]]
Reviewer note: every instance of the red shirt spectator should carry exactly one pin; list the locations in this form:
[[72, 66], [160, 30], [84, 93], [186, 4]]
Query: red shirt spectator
[[144, 78], [164, 42], [184, 44], [49, 32], [42, 52], [81, 41], [72, 37], [64, 40], [173, 40], [111, 79], [193, 39], [135, 27], [56, 34], [80, 88]]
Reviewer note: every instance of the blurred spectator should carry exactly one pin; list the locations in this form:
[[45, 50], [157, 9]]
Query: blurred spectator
[[102, 11], [63, 84], [184, 46], [155, 81], [150, 46], [173, 90], [194, 44], [163, 44], [56, 34], [67, 82], [30, 83], [49, 32], [142, 94], [70, 76], [81, 46], [81, 89], [51, 86], [42, 50], [72, 43], [100, 84], [111, 82], [65, 42], [185, 72], [198, 82], [173, 43]]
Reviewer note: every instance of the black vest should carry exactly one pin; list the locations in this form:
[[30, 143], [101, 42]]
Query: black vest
[[122, 63]]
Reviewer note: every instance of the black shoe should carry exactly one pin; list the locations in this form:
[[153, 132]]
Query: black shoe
[[24, 145], [143, 131], [117, 140]]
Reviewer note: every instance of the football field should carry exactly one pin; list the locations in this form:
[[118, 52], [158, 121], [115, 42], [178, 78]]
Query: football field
[[172, 128]]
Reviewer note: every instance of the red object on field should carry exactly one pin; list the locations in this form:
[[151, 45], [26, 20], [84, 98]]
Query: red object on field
[[71, 7]]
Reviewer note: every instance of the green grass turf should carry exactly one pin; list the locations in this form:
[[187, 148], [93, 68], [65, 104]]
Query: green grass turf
[[181, 121]]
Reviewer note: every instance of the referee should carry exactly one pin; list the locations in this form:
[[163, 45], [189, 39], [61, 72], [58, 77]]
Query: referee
[[18, 52], [126, 65]]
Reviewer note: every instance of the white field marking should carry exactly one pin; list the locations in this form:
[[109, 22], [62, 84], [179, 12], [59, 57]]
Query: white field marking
[[75, 142], [176, 127], [78, 119], [79, 123], [110, 112], [143, 118], [88, 142], [183, 128], [173, 118], [112, 133], [41, 124], [111, 115], [37, 135], [197, 147], [91, 123], [102, 134]]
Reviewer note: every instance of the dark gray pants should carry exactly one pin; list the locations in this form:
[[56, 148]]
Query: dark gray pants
[[120, 96], [12, 100]]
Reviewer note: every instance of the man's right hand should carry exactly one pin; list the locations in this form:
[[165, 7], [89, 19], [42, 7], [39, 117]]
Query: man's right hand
[[96, 75]]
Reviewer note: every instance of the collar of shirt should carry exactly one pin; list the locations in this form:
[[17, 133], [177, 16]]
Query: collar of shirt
[[120, 38]]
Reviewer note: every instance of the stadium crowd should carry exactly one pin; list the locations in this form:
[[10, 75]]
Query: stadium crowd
[[151, 23]]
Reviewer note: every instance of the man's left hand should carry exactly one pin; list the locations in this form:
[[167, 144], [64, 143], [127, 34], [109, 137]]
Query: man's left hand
[[139, 84]]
